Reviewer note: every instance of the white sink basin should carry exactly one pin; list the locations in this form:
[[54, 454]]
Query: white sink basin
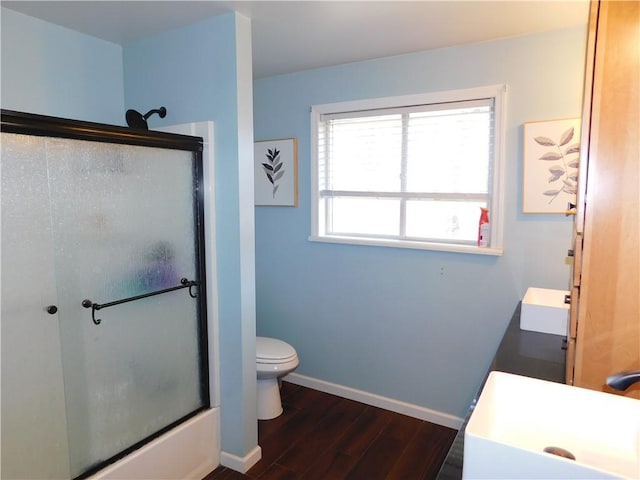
[[517, 417], [543, 310]]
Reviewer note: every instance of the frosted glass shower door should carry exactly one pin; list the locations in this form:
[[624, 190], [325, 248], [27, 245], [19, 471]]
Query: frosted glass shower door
[[34, 432], [124, 225]]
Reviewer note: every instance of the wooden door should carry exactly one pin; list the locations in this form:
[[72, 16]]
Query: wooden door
[[608, 313]]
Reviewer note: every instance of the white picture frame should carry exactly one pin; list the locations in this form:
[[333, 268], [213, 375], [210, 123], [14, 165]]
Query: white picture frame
[[276, 172], [551, 154]]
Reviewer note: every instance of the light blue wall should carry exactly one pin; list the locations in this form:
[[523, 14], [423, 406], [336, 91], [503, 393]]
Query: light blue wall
[[203, 72], [416, 326], [51, 70]]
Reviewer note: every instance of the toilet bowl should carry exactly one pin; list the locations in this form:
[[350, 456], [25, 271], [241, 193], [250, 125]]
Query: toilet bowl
[[274, 359]]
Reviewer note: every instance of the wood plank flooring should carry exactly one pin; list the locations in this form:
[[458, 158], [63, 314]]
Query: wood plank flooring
[[324, 437]]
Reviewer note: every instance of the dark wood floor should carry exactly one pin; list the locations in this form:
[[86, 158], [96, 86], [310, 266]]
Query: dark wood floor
[[324, 437]]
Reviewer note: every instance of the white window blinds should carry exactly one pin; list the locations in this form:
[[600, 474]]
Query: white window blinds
[[418, 173], [444, 148]]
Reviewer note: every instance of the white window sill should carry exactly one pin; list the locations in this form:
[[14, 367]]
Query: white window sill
[[441, 247]]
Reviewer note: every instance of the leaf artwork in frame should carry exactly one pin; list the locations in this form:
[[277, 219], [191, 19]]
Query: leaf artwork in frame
[[276, 173], [551, 161], [273, 168]]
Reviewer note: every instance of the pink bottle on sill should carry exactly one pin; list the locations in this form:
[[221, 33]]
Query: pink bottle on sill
[[483, 228]]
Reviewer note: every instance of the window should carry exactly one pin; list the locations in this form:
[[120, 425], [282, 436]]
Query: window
[[409, 171]]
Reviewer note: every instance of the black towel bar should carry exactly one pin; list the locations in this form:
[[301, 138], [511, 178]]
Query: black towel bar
[[184, 283]]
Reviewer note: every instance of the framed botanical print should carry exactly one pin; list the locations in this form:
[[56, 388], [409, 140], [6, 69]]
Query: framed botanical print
[[276, 173], [551, 161]]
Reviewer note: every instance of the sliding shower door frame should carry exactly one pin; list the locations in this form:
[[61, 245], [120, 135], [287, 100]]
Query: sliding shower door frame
[[47, 126]]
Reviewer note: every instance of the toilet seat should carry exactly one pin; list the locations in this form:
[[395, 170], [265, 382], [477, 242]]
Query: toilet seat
[[272, 350]]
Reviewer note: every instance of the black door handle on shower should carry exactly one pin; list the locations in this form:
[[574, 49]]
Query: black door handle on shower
[[51, 309]]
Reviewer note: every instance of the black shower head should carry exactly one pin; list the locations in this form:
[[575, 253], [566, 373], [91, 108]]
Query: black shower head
[[136, 120]]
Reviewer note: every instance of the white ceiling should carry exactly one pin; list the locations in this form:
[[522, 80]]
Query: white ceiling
[[289, 36]]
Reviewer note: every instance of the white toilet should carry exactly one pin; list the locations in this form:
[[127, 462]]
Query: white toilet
[[274, 359]]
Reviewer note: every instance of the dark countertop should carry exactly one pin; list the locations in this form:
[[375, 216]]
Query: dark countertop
[[532, 354]]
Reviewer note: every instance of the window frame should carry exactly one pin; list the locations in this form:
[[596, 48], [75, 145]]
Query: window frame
[[495, 92]]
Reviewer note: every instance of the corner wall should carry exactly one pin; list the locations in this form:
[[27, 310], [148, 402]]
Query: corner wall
[[203, 72]]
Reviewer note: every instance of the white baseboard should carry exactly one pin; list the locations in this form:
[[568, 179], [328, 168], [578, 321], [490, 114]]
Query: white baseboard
[[415, 411], [241, 464]]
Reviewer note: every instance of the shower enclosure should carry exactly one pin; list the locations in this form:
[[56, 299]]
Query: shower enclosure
[[104, 331]]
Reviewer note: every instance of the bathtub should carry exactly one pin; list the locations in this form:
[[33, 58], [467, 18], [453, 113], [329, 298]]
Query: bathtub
[[189, 451]]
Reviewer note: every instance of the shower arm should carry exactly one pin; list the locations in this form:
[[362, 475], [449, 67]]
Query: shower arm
[[162, 112], [184, 283]]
